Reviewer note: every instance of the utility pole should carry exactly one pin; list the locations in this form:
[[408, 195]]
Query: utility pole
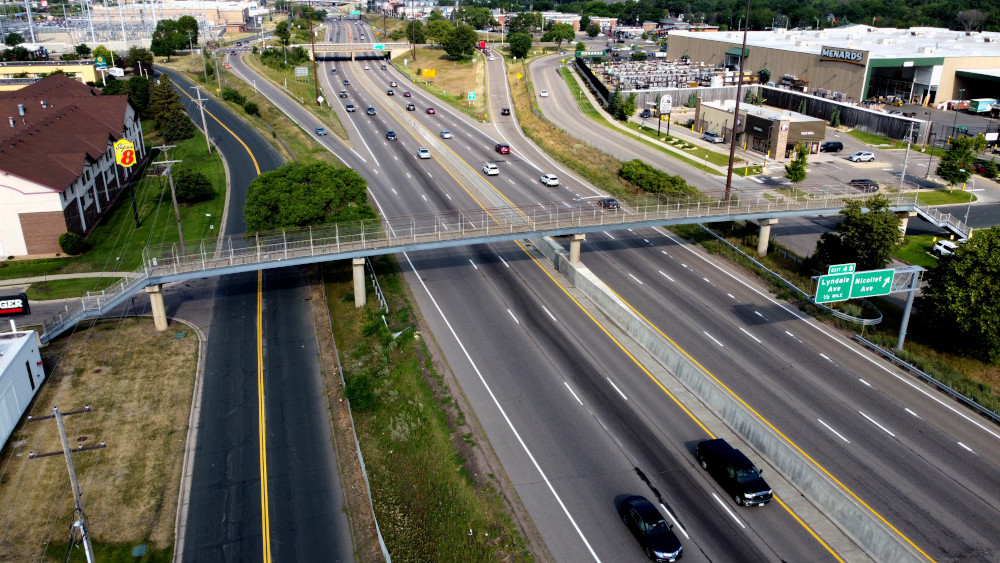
[[218, 70], [736, 110], [190, 46], [312, 41], [204, 126], [906, 157], [81, 516], [173, 193]]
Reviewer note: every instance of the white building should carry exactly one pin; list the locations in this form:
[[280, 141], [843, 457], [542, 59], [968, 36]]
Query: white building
[[21, 375]]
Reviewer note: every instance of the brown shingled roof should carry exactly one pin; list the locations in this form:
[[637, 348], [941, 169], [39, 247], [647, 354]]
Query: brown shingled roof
[[51, 143]]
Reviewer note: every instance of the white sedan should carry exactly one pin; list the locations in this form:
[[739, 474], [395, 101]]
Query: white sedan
[[550, 180], [544, 93]]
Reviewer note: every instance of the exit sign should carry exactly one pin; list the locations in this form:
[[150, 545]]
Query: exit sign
[[841, 269]]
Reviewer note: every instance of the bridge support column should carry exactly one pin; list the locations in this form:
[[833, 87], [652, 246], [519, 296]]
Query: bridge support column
[[156, 304], [574, 248], [359, 283], [765, 235], [904, 220]]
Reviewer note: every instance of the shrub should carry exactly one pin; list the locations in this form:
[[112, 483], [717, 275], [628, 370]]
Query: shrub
[[231, 95], [192, 186], [652, 180], [251, 108], [72, 243], [991, 169]]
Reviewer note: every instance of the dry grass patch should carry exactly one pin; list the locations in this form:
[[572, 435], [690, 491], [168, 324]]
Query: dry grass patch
[[139, 384], [453, 79]]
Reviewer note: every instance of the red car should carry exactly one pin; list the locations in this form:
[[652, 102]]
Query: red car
[[502, 148], [406, 94], [431, 110]]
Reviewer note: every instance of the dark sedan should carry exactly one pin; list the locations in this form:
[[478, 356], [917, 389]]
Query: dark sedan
[[654, 534]]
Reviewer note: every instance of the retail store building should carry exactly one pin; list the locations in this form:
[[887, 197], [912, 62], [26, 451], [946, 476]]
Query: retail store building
[[769, 131]]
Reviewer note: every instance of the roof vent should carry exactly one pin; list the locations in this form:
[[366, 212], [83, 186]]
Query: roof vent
[[11, 121], [44, 104], [20, 109]]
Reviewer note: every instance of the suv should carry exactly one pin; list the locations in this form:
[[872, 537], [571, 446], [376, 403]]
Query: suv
[[713, 137], [550, 180], [862, 156], [504, 111], [370, 110], [350, 107], [865, 185], [490, 169], [390, 135], [648, 526], [831, 146], [343, 93], [734, 471], [944, 247], [502, 148]]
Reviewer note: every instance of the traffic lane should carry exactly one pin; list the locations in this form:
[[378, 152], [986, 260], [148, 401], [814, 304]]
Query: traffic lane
[[808, 381], [309, 520], [518, 378], [235, 138]]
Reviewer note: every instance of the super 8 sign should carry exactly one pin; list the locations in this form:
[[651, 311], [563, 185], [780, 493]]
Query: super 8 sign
[[125, 153]]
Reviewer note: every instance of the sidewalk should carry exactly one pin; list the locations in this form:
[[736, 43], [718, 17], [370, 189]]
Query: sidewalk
[[21, 281]]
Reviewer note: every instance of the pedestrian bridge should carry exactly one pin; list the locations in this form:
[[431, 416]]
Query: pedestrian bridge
[[380, 50], [241, 253]]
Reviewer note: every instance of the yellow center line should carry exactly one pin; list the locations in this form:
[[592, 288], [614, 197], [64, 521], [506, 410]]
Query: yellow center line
[[265, 523], [695, 418], [235, 136]]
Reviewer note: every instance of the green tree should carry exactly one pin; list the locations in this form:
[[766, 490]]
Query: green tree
[[434, 16], [163, 98], [162, 43], [138, 59], [301, 194], [615, 104], [692, 100], [956, 162], [437, 30], [584, 21], [628, 107], [835, 118], [558, 33], [72, 244], [593, 30], [520, 44], [479, 17], [192, 186], [414, 32], [796, 169], [525, 22], [282, 33], [13, 39], [175, 125], [251, 108], [867, 239], [102, 51], [959, 300], [185, 25], [802, 106], [460, 42], [581, 46], [83, 50], [137, 88]]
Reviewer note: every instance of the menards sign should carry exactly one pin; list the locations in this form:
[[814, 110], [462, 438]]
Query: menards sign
[[842, 55]]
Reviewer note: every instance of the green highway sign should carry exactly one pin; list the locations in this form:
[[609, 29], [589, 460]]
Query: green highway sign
[[472, 96], [871, 283], [841, 269], [355, 12], [380, 46], [834, 287]]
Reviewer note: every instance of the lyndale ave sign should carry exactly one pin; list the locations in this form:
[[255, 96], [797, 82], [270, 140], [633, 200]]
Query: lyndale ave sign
[[842, 55]]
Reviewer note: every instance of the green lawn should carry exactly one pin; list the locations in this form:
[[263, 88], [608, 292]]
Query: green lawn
[[945, 197], [116, 244], [916, 251], [61, 289], [877, 140]]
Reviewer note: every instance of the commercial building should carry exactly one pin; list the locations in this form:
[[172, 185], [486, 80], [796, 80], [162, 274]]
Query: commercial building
[[857, 63], [771, 132], [17, 75], [21, 375], [57, 163]]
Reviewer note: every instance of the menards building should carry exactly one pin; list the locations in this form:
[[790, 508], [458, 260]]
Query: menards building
[[858, 62]]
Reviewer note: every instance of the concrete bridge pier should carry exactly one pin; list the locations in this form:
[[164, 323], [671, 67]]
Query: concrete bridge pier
[[765, 235], [904, 219], [156, 304], [574, 248], [359, 283]]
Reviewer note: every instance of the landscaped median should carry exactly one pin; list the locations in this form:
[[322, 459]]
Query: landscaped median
[[449, 80]]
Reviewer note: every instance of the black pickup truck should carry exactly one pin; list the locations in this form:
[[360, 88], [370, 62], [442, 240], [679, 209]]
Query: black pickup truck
[[737, 474]]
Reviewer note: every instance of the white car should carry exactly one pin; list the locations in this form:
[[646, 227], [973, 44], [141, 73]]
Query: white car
[[550, 180], [944, 248], [490, 169], [423, 153], [446, 134], [862, 156], [366, 67], [544, 93]]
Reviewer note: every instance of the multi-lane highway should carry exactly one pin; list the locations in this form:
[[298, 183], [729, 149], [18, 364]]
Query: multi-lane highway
[[579, 415]]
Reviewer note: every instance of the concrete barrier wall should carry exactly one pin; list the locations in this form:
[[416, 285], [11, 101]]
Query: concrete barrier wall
[[872, 534]]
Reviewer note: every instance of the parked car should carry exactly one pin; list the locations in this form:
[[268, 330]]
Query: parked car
[[423, 153], [431, 111], [504, 111], [350, 107], [862, 156], [646, 113], [550, 180], [490, 169], [865, 185], [608, 203], [502, 148], [831, 146], [713, 137], [446, 134], [370, 110], [654, 535], [944, 247], [320, 131], [390, 135], [734, 472]]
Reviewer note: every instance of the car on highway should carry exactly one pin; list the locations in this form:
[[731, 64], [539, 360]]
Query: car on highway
[[393, 84], [654, 535], [320, 131], [406, 94], [713, 137], [502, 148], [347, 82], [549, 179], [233, 53], [350, 107], [504, 111], [446, 134], [944, 247], [343, 93], [543, 94], [333, 71], [370, 110], [608, 203], [423, 153], [831, 146], [491, 57], [490, 169], [411, 107], [734, 472], [239, 43], [390, 135], [390, 93], [862, 156], [366, 66], [384, 67], [431, 111], [866, 185]]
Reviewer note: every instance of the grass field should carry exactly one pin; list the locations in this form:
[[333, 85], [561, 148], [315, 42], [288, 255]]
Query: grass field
[[877, 140], [138, 383], [945, 197], [453, 80]]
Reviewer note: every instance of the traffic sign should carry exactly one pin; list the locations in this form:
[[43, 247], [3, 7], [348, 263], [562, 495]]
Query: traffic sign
[[125, 153], [379, 46], [835, 287], [472, 96], [841, 269], [355, 12], [871, 283]]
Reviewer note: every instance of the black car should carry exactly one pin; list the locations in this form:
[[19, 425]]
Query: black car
[[831, 146], [347, 83], [734, 471], [865, 185], [504, 111], [390, 135], [654, 534], [608, 203]]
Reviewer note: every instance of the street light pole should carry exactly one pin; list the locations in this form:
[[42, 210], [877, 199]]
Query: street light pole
[[971, 195], [961, 92], [930, 159]]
